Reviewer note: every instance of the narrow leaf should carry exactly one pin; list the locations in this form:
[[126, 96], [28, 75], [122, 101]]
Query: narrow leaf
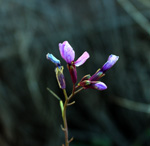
[[53, 93]]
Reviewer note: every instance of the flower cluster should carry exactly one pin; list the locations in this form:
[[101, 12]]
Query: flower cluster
[[68, 54], [92, 81]]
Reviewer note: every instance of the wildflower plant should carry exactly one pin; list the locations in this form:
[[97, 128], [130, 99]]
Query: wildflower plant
[[88, 81]]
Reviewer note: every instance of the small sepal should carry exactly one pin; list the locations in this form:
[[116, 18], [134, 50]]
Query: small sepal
[[73, 72], [97, 75], [85, 84], [86, 77]]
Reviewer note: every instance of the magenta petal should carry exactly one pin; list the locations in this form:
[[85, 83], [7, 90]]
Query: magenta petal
[[66, 52], [82, 59], [98, 85]]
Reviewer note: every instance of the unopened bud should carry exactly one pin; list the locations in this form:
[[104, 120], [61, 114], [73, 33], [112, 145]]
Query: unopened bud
[[60, 77]]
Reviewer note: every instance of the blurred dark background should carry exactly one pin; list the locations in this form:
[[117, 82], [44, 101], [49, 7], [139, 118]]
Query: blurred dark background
[[30, 115]]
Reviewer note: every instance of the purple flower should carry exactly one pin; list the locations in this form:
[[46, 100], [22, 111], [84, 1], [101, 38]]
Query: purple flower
[[68, 55], [92, 81]]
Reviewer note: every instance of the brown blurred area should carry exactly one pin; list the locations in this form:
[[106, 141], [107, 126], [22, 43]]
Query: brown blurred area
[[30, 115]]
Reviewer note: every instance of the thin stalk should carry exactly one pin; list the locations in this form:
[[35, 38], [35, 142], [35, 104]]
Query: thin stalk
[[67, 99], [73, 90], [53, 93], [74, 93], [65, 119]]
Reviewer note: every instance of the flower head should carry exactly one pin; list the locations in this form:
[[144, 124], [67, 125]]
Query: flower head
[[58, 70], [68, 55]]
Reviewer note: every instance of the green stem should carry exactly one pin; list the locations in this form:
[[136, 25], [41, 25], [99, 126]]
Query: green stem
[[65, 94], [67, 99]]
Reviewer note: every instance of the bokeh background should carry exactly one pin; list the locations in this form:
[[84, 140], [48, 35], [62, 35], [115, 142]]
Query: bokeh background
[[31, 116]]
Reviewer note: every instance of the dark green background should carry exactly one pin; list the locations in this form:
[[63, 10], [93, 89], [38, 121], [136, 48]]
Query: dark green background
[[30, 115]]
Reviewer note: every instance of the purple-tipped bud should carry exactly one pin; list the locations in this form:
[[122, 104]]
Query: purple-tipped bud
[[93, 85], [60, 77], [112, 59], [98, 85], [73, 72]]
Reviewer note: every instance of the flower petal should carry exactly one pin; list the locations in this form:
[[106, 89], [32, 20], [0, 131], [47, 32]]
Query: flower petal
[[53, 59], [82, 59], [66, 52], [112, 59]]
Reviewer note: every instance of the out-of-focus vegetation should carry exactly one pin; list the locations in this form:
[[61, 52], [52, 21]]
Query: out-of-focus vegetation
[[30, 115]]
